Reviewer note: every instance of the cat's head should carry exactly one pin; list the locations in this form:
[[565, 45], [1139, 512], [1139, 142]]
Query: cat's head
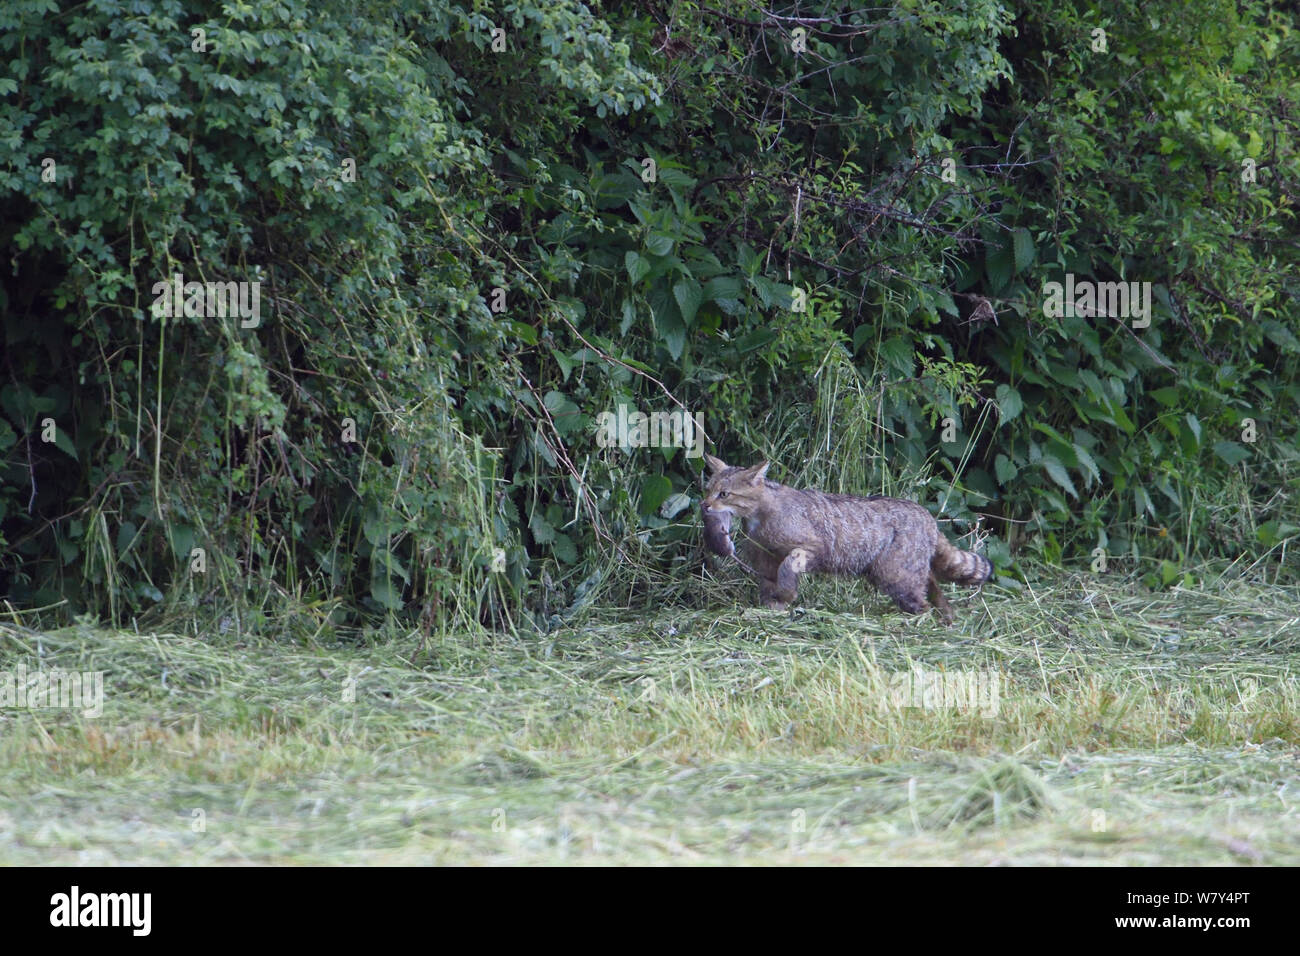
[[731, 490]]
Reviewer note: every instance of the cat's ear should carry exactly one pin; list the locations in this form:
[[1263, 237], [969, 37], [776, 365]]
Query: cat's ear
[[760, 472], [715, 464]]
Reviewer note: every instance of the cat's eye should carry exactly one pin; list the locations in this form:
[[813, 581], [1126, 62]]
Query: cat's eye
[[722, 494]]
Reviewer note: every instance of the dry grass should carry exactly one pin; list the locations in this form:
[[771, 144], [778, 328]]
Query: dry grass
[[1115, 727]]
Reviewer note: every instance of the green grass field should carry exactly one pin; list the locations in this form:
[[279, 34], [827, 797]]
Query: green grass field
[[1104, 725]]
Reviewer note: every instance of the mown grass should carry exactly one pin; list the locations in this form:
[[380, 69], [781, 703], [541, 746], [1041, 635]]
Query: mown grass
[[1129, 728]]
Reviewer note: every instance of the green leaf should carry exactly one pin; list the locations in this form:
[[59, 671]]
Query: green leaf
[[126, 533], [64, 444], [675, 177], [999, 552], [182, 541], [1114, 414], [668, 320], [525, 332], [638, 267], [542, 449], [1056, 471], [384, 594], [1169, 572], [944, 303], [1231, 452], [659, 244], [688, 294], [898, 354], [1281, 336], [1009, 402], [1004, 469], [998, 268], [145, 589], [564, 362], [542, 531], [564, 549], [376, 531], [1272, 532], [772, 293], [388, 565], [755, 340], [1086, 463], [567, 416], [654, 491], [610, 191], [1023, 248], [723, 289], [1096, 388]]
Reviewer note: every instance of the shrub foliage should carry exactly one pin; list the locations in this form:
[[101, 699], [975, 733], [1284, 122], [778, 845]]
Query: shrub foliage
[[474, 227]]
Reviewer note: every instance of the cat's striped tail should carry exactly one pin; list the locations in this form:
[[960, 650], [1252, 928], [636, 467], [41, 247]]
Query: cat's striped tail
[[960, 567]]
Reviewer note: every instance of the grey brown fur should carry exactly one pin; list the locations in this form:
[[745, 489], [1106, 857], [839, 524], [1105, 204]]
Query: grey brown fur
[[895, 544]]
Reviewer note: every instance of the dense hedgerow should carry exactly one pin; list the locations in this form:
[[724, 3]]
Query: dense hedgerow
[[476, 227]]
